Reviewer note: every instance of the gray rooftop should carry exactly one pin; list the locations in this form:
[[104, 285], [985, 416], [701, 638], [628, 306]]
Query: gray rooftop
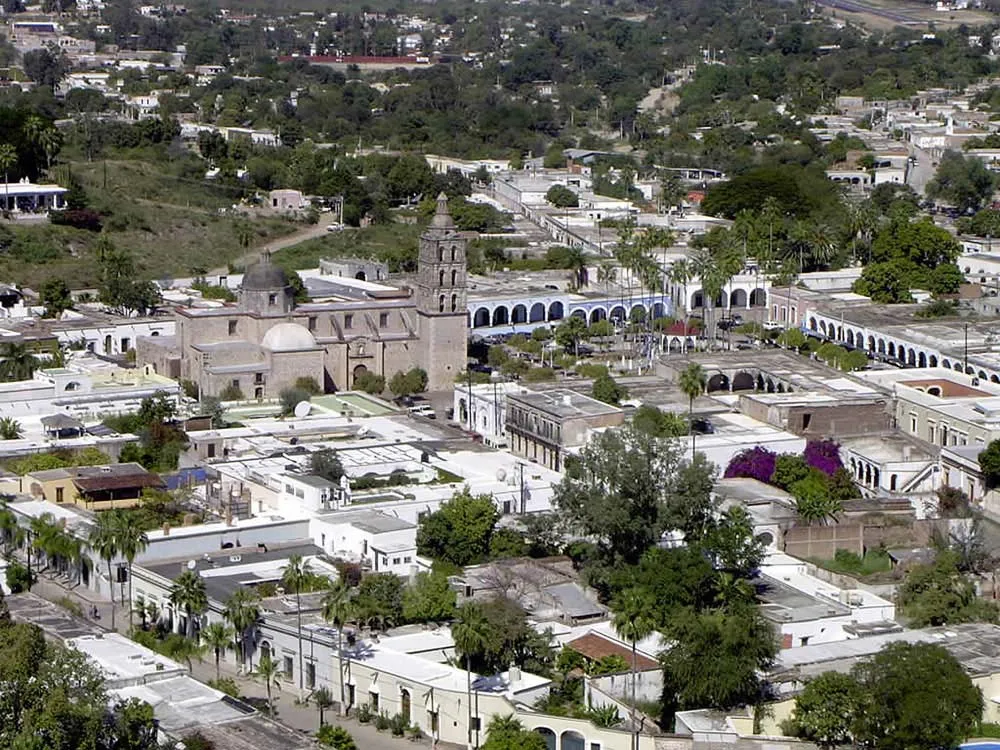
[[563, 403], [781, 603]]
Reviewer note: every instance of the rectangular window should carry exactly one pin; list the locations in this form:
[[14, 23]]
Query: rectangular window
[[433, 721], [126, 343], [407, 559], [476, 724], [913, 424], [211, 450], [383, 320], [59, 494], [236, 383], [310, 675], [312, 323], [232, 327], [348, 321], [373, 701], [396, 561], [272, 299], [258, 378], [289, 668]]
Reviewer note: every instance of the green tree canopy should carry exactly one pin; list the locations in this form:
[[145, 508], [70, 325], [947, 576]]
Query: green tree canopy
[[459, 532], [963, 181], [430, 598], [825, 710]]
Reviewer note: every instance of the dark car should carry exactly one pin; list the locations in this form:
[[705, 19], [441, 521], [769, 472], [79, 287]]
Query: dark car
[[701, 426]]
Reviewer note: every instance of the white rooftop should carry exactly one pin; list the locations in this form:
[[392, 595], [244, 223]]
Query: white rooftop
[[123, 661]]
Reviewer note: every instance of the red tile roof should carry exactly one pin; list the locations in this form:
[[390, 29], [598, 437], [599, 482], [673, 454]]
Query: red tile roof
[[595, 647]]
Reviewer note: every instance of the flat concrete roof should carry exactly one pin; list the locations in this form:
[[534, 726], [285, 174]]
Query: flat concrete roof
[[123, 661], [564, 403]]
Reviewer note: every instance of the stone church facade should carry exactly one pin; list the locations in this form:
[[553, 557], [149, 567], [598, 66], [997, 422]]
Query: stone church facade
[[266, 341]]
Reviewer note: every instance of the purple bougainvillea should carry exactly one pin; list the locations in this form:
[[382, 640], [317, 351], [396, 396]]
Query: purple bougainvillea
[[823, 455], [756, 463]]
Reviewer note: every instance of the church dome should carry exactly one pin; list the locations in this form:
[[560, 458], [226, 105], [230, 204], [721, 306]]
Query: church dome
[[288, 337], [264, 276]]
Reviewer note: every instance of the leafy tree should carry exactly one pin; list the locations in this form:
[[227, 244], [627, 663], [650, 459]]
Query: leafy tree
[[325, 463], [570, 332], [411, 382], [788, 469], [940, 594], [915, 696], [491, 637], [507, 733], [731, 543], [886, 283], [56, 297], [607, 389], [459, 532], [379, 600], [45, 67], [963, 181], [653, 421], [561, 196], [813, 501], [989, 464], [309, 384], [825, 710], [430, 598], [717, 659], [619, 492], [292, 397], [370, 382], [119, 288]]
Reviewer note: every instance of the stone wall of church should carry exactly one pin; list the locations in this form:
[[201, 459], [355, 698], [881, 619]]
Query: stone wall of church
[[287, 367], [444, 341]]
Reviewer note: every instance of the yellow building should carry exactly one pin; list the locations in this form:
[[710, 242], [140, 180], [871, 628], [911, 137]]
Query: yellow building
[[91, 487]]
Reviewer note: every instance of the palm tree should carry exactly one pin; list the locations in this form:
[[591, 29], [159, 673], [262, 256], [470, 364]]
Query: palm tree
[[18, 362], [132, 540], [338, 609], [33, 127], [10, 429], [188, 592], [295, 575], [8, 158], [217, 636], [576, 261], [11, 532], [471, 634], [267, 672], [632, 621], [104, 541], [243, 613], [50, 140], [692, 383], [323, 700]]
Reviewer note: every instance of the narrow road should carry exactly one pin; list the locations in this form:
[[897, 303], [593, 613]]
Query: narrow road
[[310, 232]]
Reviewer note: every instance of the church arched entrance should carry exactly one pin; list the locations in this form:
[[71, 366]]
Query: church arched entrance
[[359, 371]]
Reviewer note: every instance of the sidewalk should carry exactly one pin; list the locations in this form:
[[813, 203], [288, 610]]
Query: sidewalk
[[302, 718]]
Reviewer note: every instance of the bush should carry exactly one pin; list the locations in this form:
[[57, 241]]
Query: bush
[[382, 721], [364, 713], [18, 578], [586, 370], [369, 382], [190, 388], [539, 375], [70, 605], [226, 685], [83, 218], [292, 397], [335, 737], [231, 393], [308, 383], [398, 725]]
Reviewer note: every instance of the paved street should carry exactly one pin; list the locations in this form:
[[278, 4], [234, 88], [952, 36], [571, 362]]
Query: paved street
[[304, 718]]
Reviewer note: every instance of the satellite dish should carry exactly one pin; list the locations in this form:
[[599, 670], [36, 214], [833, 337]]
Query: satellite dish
[[192, 564], [363, 431], [501, 474], [302, 409]]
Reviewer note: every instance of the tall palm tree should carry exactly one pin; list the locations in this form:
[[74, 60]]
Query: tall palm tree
[[338, 609], [10, 531], [104, 541], [268, 672], [8, 158], [242, 612], [692, 383], [50, 140], [33, 127], [471, 634], [188, 592], [632, 621], [132, 541], [217, 636], [295, 575]]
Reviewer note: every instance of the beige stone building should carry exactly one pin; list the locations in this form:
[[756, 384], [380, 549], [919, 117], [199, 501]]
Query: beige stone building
[[265, 341]]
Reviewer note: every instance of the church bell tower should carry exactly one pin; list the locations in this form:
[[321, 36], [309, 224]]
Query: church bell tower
[[442, 298]]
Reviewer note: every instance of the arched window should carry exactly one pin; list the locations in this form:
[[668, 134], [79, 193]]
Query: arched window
[[454, 252], [454, 277], [441, 278], [454, 302], [440, 254], [441, 303]]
